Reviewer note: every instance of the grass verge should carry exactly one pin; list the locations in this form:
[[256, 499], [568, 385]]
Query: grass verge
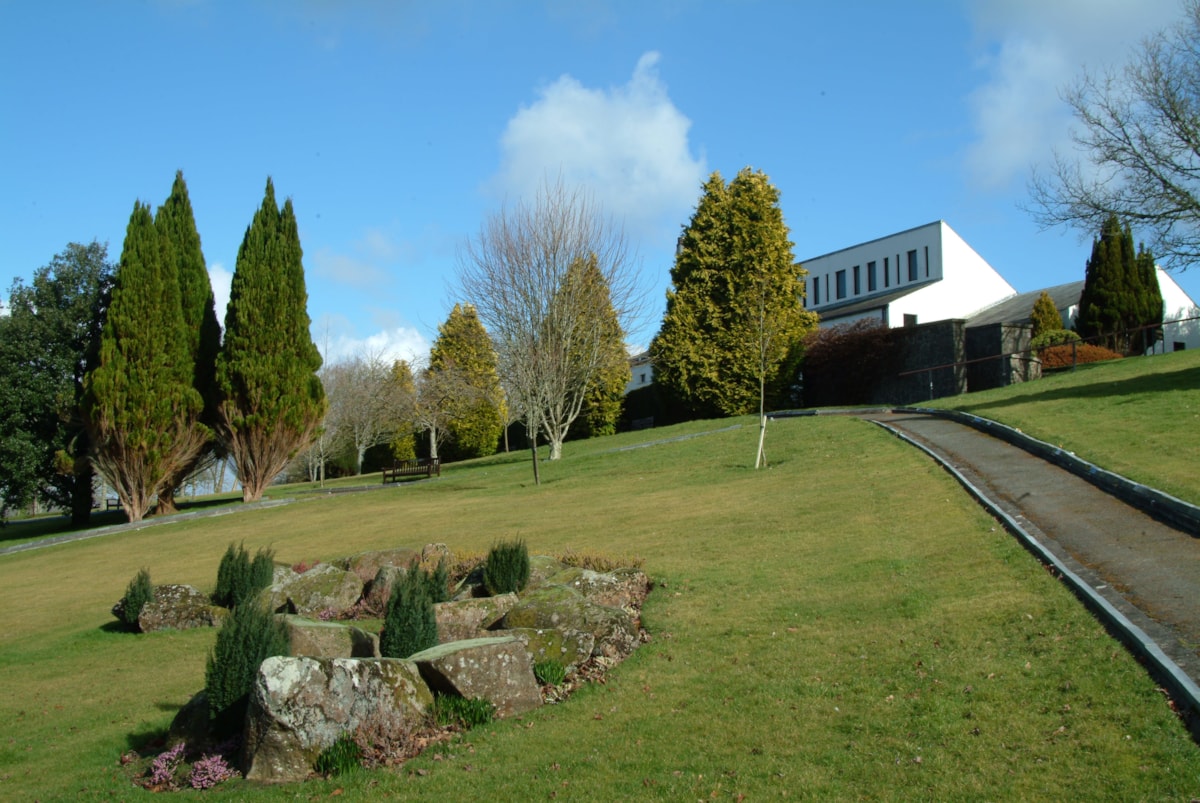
[[845, 624]]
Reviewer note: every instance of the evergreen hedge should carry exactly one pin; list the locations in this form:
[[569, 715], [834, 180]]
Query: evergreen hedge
[[409, 625]]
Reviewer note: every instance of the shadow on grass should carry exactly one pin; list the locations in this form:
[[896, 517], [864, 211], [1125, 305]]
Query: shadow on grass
[[147, 742], [118, 628], [1183, 379]]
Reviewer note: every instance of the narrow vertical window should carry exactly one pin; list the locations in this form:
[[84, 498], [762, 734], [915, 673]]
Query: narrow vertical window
[[887, 276], [857, 279], [840, 278], [897, 269], [926, 262], [816, 294], [871, 287], [912, 266]]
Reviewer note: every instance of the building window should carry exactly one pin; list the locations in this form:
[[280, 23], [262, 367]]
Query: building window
[[840, 278], [642, 378], [910, 320], [887, 278], [1179, 345], [912, 266], [897, 269], [857, 280], [816, 290], [871, 277], [926, 262]]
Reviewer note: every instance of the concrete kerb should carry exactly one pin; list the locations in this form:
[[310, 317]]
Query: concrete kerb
[[151, 522], [1163, 506], [1178, 683]]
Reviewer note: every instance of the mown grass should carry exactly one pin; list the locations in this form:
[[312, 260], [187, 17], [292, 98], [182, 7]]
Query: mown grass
[[846, 624], [1139, 417]]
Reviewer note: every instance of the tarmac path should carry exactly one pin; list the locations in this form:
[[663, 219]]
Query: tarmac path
[[1147, 570]]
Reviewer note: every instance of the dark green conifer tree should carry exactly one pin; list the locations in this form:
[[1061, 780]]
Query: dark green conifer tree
[[605, 389], [1120, 292], [272, 400], [176, 223], [140, 404]]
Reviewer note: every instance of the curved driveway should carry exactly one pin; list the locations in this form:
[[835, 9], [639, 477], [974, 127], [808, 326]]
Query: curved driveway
[[1146, 569]]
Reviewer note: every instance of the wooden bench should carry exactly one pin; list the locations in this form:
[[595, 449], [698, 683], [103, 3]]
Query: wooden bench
[[412, 468], [112, 502]]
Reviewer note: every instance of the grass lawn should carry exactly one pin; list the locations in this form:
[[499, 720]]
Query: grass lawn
[[1139, 417], [846, 624]]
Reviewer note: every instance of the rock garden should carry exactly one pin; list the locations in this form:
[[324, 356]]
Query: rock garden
[[369, 659]]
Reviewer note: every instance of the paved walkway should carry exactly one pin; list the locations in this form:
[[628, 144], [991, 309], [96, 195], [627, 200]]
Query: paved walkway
[[1147, 570]]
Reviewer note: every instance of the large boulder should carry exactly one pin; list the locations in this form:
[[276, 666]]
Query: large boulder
[[329, 639], [470, 618], [300, 706], [542, 568], [615, 630], [322, 588], [551, 644], [191, 723], [623, 588], [493, 669], [367, 564], [179, 607]]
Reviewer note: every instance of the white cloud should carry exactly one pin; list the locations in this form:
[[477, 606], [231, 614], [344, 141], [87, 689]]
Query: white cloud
[[1029, 50], [336, 341], [220, 279], [627, 145]]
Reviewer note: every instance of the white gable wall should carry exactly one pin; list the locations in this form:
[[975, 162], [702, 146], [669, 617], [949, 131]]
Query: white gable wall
[[952, 280], [1178, 305]]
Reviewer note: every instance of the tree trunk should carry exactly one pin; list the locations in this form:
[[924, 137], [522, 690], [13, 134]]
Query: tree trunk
[[166, 502], [433, 455], [531, 433], [81, 494]]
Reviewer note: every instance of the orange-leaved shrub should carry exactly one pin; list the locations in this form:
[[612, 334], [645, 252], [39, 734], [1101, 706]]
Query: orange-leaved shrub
[[1061, 357]]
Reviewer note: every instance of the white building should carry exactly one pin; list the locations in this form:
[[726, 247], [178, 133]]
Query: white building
[[641, 372], [916, 276]]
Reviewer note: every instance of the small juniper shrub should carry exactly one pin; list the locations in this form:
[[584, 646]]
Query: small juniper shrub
[[550, 672], [208, 771], [409, 625], [341, 757], [239, 578], [249, 636], [507, 568], [451, 710], [137, 594], [1054, 337], [439, 582]]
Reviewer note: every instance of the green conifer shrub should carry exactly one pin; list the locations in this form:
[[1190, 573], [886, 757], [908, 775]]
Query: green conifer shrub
[[507, 568], [409, 625], [1054, 337], [239, 578], [439, 582], [249, 636], [137, 594]]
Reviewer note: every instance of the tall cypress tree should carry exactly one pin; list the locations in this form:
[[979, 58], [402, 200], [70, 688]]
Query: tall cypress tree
[[734, 316], [140, 406], [474, 415], [1120, 292], [177, 225], [271, 397]]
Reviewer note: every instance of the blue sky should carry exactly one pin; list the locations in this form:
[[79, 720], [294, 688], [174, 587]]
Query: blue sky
[[397, 127]]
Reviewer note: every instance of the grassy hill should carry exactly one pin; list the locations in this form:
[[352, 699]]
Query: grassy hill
[[1138, 417], [845, 624]]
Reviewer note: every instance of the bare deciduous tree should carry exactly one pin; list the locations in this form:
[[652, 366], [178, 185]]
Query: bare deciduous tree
[[1139, 140], [365, 405], [523, 272]]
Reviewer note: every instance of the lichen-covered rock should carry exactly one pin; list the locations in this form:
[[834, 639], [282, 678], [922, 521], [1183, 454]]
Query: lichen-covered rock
[[299, 706], [469, 618], [545, 644], [623, 588], [493, 669], [367, 564], [542, 568], [321, 588], [432, 554], [179, 607], [329, 639], [615, 631]]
